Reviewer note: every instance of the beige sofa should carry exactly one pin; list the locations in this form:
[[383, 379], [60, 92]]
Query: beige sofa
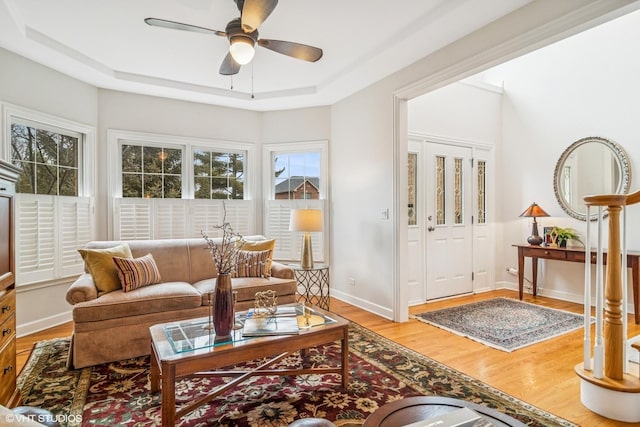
[[115, 325]]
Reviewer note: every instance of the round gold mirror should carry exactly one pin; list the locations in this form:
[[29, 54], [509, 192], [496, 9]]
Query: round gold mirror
[[590, 166]]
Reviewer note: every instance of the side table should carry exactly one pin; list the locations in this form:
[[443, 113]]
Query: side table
[[313, 284]]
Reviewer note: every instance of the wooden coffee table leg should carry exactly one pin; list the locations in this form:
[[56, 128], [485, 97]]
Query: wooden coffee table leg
[[154, 375], [345, 358], [168, 395]]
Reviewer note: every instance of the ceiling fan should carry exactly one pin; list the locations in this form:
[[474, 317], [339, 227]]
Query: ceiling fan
[[242, 33]]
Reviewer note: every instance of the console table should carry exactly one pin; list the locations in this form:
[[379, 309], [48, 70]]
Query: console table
[[573, 255]]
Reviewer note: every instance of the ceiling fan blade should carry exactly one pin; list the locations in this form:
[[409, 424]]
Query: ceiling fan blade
[[229, 66], [156, 22], [295, 50], [254, 13]]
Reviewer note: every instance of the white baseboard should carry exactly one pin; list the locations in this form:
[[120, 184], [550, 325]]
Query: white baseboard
[[385, 312], [42, 324]]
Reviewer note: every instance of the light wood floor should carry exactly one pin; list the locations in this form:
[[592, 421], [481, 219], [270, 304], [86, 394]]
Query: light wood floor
[[542, 374]]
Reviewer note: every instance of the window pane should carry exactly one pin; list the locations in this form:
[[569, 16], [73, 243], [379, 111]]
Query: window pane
[[413, 183], [458, 190], [172, 161], [68, 182], [172, 187], [27, 180], [218, 175], [202, 187], [152, 186], [482, 193], [152, 160], [47, 147], [131, 185], [68, 151], [23, 139], [440, 190], [131, 158], [46, 180], [296, 175], [201, 163]]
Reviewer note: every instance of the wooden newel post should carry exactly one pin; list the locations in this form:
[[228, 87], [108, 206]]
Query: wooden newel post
[[613, 326]]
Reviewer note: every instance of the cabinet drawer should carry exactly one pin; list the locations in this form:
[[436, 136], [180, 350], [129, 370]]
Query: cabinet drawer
[[7, 304], [7, 372], [544, 253], [7, 330]]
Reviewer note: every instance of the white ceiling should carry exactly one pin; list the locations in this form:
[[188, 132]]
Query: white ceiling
[[107, 44]]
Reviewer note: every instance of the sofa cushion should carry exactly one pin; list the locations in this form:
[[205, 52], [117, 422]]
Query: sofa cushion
[[253, 264], [260, 245], [138, 272], [99, 263], [247, 287], [149, 299]]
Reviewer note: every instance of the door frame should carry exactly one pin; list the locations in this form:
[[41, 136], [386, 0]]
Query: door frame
[[479, 152]]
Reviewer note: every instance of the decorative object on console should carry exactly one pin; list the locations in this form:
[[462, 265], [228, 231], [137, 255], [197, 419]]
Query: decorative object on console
[[307, 221], [225, 255], [566, 234], [534, 211]]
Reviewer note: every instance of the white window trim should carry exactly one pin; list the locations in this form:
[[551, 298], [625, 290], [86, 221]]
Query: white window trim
[[323, 203], [86, 179], [115, 137], [88, 167]]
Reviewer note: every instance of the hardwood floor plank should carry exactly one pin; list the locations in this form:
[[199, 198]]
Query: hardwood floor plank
[[541, 374]]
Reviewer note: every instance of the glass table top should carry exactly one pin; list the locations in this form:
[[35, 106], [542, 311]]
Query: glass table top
[[290, 319]]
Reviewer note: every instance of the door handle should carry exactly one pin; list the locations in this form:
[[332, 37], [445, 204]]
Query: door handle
[[430, 228]]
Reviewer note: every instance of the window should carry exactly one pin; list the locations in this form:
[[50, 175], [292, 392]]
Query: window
[[295, 178], [151, 172], [170, 187], [218, 175], [54, 210]]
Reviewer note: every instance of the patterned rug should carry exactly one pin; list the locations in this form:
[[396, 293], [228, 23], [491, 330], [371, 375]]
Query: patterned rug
[[118, 393], [504, 323]]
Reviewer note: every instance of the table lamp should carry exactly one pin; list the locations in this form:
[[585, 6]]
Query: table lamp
[[307, 221], [534, 211]]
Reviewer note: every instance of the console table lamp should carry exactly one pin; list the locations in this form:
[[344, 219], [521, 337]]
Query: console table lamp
[[534, 211], [307, 221]]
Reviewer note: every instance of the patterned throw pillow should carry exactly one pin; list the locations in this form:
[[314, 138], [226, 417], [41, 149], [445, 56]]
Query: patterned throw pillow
[[138, 272], [260, 245], [253, 264], [99, 263]]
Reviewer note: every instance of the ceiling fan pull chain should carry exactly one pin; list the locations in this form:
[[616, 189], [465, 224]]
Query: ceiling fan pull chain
[[231, 81], [252, 95]]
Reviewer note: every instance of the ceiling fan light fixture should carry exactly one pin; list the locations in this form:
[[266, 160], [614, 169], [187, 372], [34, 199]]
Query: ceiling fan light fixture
[[242, 49]]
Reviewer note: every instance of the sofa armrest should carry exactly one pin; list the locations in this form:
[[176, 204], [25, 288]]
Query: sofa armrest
[[281, 271], [83, 289]]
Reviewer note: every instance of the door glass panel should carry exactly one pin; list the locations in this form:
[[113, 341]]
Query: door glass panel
[[413, 183], [457, 191], [482, 194], [440, 200]]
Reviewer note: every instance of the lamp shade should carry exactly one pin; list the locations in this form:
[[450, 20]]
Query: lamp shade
[[242, 49], [534, 211], [307, 220]]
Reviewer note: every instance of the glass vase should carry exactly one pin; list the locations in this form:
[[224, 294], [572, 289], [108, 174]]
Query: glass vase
[[223, 310]]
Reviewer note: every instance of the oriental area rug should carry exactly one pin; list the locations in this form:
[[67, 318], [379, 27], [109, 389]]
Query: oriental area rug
[[117, 394], [504, 323]]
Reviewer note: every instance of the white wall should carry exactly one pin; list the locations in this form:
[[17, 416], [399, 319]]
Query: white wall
[[586, 85], [30, 85]]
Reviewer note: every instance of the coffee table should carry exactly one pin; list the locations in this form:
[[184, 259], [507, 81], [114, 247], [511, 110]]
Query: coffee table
[[421, 408], [197, 354]]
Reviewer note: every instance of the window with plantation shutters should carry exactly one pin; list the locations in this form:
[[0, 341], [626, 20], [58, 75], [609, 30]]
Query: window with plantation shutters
[[54, 210], [297, 179], [170, 187]]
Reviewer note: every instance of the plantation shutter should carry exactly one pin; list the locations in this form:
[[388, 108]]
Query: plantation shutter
[[144, 219], [289, 243], [49, 230], [75, 231]]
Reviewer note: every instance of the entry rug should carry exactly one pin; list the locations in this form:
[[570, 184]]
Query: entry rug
[[381, 371], [504, 323]]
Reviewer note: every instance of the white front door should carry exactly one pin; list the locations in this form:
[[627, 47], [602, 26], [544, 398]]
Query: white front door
[[415, 233], [449, 223]]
